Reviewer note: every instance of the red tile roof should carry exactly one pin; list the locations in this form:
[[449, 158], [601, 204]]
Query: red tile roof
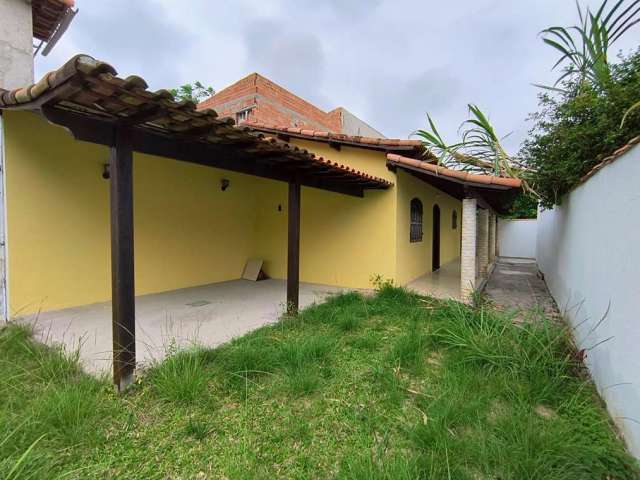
[[46, 15], [91, 89], [458, 175], [384, 144]]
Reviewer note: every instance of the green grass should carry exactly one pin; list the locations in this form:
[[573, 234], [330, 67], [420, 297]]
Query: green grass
[[387, 387]]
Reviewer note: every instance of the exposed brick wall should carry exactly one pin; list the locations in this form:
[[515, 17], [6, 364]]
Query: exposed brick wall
[[273, 105], [243, 87]]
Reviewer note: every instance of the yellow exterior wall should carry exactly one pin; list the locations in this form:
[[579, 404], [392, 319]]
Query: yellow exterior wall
[[57, 217], [344, 240], [371, 161], [414, 259], [187, 231]]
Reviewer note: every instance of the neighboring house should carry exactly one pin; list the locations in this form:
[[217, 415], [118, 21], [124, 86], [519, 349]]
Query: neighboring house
[[258, 99], [21, 24]]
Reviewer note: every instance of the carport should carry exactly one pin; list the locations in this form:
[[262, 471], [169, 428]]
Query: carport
[[87, 98]]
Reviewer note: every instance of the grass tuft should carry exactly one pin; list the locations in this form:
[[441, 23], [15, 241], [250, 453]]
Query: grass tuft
[[366, 467], [180, 378], [197, 429]]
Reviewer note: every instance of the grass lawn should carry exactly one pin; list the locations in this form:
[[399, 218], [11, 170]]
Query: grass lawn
[[389, 387]]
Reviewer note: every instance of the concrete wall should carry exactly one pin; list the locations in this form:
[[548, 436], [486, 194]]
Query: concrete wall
[[414, 259], [517, 238], [588, 251], [352, 125], [16, 44]]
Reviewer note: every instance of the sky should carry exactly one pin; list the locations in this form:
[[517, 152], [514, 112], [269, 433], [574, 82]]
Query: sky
[[387, 61]]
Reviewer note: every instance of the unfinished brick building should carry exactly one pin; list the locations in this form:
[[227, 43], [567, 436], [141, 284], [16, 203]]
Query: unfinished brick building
[[257, 99]]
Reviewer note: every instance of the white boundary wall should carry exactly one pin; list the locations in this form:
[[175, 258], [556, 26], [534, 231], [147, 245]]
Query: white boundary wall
[[589, 251], [517, 237]]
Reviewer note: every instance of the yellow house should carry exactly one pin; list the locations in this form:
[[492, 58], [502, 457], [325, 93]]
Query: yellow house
[[95, 164]]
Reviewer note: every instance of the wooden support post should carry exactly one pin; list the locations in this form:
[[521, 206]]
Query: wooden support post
[[122, 273], [293, 249]]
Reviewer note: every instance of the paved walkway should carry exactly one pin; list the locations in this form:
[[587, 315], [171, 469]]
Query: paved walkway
[[515, 284], [207, 315]]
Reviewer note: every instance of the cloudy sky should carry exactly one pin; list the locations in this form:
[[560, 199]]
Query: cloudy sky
[[387, 61]]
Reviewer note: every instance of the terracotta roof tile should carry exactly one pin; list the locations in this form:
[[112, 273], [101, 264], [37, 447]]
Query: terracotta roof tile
[[466, 177], [369, 142], [90, 88], [46, 16]]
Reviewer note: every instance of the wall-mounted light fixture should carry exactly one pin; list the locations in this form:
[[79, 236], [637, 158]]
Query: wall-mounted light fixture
[[224, 184], [105, 171]]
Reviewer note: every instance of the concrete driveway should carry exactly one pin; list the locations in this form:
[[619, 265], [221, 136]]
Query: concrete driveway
[[207, 315]]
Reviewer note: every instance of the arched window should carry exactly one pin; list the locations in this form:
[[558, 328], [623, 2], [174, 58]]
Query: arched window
[[415, 232], [454, 220]]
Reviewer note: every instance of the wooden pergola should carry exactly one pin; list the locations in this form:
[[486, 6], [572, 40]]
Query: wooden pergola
[[88, 98]]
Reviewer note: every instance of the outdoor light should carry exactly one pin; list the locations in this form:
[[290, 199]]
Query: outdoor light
[[105, 171], [224, 184]]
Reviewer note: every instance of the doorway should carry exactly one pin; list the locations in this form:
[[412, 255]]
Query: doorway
[[435, 247]]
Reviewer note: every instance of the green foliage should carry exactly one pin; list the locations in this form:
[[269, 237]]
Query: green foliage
[[379, 467], [524, 205], [47, 407], [479, 149], [413, 387], [575, 130], [192, 92], [197, 429], [180, 377], [584, 48]]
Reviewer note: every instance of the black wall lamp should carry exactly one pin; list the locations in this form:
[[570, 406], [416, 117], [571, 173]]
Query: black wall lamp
[[105, 171], [224, 184]]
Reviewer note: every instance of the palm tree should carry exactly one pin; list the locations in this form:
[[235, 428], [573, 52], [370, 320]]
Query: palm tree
[[480, 148], [584, 53], [584, 48]]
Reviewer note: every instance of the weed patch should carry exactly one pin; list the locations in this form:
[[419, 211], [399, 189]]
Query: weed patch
[[392, 386]]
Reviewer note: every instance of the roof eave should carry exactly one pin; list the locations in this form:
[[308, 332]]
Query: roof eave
[[86, 97]]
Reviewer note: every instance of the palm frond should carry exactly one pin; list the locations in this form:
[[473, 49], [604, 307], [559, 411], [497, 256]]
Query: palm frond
[[584, 48], [633, 108]]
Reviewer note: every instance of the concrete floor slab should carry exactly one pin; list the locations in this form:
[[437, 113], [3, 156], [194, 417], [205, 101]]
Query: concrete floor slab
[[206, 315], [443, 283]]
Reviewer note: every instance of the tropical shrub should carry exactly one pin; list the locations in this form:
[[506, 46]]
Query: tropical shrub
[[579, 126]]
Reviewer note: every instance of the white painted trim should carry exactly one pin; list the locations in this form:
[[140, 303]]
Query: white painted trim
[[4, 242]]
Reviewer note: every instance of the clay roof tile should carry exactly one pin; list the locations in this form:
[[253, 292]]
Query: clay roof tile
[[457, 174]]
